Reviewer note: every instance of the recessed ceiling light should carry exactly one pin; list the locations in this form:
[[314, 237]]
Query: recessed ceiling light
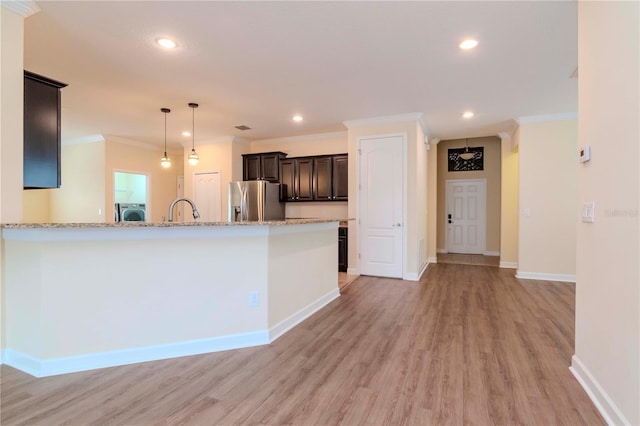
[[166, 43], [468, 114], [468, 44], [185, 133], [297, 118]]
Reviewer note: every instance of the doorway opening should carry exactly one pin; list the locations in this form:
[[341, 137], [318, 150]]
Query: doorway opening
[[131, 194]]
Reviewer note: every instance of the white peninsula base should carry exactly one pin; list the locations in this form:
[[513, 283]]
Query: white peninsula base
[[90, 297]]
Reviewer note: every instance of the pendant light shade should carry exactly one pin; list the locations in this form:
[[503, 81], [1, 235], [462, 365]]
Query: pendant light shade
[[165, 161], [467, 155], [193, 157]]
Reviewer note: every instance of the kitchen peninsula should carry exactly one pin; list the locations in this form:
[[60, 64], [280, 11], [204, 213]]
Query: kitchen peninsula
[[85, 296]]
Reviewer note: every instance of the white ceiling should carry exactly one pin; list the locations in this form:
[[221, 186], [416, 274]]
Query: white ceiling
[[258, 63]]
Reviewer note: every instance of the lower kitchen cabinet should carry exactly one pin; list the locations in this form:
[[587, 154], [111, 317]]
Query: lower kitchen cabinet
[[343, 249]]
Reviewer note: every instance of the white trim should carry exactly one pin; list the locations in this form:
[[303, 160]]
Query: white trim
[[304, 138], [546, 118], [545, 277], [432, 260], [509, 265], [411, 276], [491, 253], [51, 367], [442, 251], [434, 141], [84, 139], [388, 119], [24, 8], [605, 405], [296, 318], [353, 271], [158, 148]]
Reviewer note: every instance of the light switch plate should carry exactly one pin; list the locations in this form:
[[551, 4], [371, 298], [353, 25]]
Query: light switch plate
[[526, 212], [589, 212]]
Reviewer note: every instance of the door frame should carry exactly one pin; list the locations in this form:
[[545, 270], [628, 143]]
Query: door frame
[[148, 202], [446, 210], [205, 172], [404, 136]]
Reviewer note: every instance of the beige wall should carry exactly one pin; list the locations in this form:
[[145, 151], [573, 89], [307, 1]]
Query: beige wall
[[36, 205], [11, 104], [548, 188], [491, 173], [432, 202], [509, 201], [125, 157], [415, 176], [608, 276], [81, 196]]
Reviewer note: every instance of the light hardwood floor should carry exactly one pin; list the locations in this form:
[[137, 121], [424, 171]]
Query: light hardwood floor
[[465, 345]]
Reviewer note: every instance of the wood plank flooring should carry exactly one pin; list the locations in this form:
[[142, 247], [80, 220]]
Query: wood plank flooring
[[465, 345]]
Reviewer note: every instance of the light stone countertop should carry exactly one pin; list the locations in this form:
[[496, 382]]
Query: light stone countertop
[[164, 224]]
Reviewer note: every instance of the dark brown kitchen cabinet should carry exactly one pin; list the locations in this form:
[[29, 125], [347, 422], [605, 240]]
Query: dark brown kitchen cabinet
[[42, 113], [340, 177], [343, 251], [322, 175], [265, 166], [297, 175]]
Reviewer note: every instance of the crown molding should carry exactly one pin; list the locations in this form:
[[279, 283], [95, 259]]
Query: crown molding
[[389, 119], [434, 141], [567, 116], [143, 145], [504, 135], [304, 138], [84, 139], [24, 8]]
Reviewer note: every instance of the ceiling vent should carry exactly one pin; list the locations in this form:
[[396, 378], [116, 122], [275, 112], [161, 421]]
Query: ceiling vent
[[243, 127]]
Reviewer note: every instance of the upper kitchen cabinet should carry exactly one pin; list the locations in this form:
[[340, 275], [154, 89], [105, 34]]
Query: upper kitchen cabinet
[[297, 176], [42, 111], [322, 175], [340, 175], [262, 166]]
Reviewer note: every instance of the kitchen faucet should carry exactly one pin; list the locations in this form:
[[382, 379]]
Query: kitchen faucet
[[193, 207]]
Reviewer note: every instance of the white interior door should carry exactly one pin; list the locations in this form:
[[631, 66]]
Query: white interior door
[[466, 216], [381, 206], [207, 196]]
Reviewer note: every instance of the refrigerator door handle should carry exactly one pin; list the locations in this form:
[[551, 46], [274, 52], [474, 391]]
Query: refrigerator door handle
[[244, 214]]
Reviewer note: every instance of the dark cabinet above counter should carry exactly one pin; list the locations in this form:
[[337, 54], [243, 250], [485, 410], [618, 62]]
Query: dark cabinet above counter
[[42, 114], [311, 178], [262, 166], [316, 178]]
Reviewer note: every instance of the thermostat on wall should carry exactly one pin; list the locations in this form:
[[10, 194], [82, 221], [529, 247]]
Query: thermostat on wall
[[585, 154]]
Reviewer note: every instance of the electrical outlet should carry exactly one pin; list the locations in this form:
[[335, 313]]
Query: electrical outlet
[[254, 298]]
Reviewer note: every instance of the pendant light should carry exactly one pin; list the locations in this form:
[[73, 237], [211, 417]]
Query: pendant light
[[193, 157], [165, 161], [467, 155]]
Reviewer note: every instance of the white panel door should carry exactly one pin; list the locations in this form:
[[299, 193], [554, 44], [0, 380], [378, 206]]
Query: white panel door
[[466, 216], [207, 196], [381, 206]]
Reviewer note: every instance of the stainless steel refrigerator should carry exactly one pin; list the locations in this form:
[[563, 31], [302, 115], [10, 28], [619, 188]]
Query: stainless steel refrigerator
[[256, 200]]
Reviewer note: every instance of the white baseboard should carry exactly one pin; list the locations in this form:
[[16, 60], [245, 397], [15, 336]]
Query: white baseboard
[[607, 408], [545, 277], [443, 251], [491, 253], [509, 265], [51, 367], [432, 260], [416, 277], [353, 271], [288, 323]]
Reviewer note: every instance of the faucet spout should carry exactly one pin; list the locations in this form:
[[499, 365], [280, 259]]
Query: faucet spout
[[191, 203]]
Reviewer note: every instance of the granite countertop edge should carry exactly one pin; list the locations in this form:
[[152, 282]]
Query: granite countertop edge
[[165, 224]]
